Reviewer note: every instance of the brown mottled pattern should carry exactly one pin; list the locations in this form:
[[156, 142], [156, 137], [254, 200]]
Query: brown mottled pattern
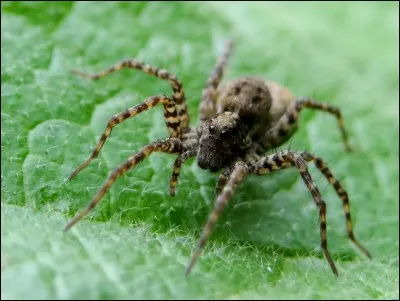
[[239, 121]]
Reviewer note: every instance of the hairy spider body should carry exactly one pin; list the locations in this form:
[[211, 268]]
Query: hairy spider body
[[239, 121]]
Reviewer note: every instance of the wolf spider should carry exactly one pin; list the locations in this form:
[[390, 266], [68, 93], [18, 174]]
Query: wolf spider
[[239, 121]]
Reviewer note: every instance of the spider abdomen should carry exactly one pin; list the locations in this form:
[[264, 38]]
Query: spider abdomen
[[259, 103]]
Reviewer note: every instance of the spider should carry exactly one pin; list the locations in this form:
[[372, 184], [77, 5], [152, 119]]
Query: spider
[[239, 121]]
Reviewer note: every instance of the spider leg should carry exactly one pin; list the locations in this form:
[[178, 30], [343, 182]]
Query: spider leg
[[169, 145], [287, 159], [238, 173], [171, 119], [177, 169], [222, 180], [323, 168], [178, 96], [287, 124], [209, 95]]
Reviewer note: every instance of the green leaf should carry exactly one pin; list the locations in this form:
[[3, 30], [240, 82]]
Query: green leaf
[[138, 240]]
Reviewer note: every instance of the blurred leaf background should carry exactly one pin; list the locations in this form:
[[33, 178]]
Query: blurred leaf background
[[138, 241]]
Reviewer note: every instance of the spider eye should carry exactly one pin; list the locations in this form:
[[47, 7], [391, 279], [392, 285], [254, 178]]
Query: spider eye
[[212, 129], [225, 133]]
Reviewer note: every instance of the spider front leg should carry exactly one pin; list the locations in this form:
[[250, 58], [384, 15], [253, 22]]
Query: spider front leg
[[239, 171], [287, 124], [169, 145], [209, 95], [287, 159], [177, 169], [178, 96], [171, 119], [323, 168], [222, 180]]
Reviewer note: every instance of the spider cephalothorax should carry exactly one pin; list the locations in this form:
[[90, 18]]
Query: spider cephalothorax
[[222, 140], [239, 121]]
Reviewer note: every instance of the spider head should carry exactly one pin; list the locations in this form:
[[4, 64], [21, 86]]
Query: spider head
[[221, 140]]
